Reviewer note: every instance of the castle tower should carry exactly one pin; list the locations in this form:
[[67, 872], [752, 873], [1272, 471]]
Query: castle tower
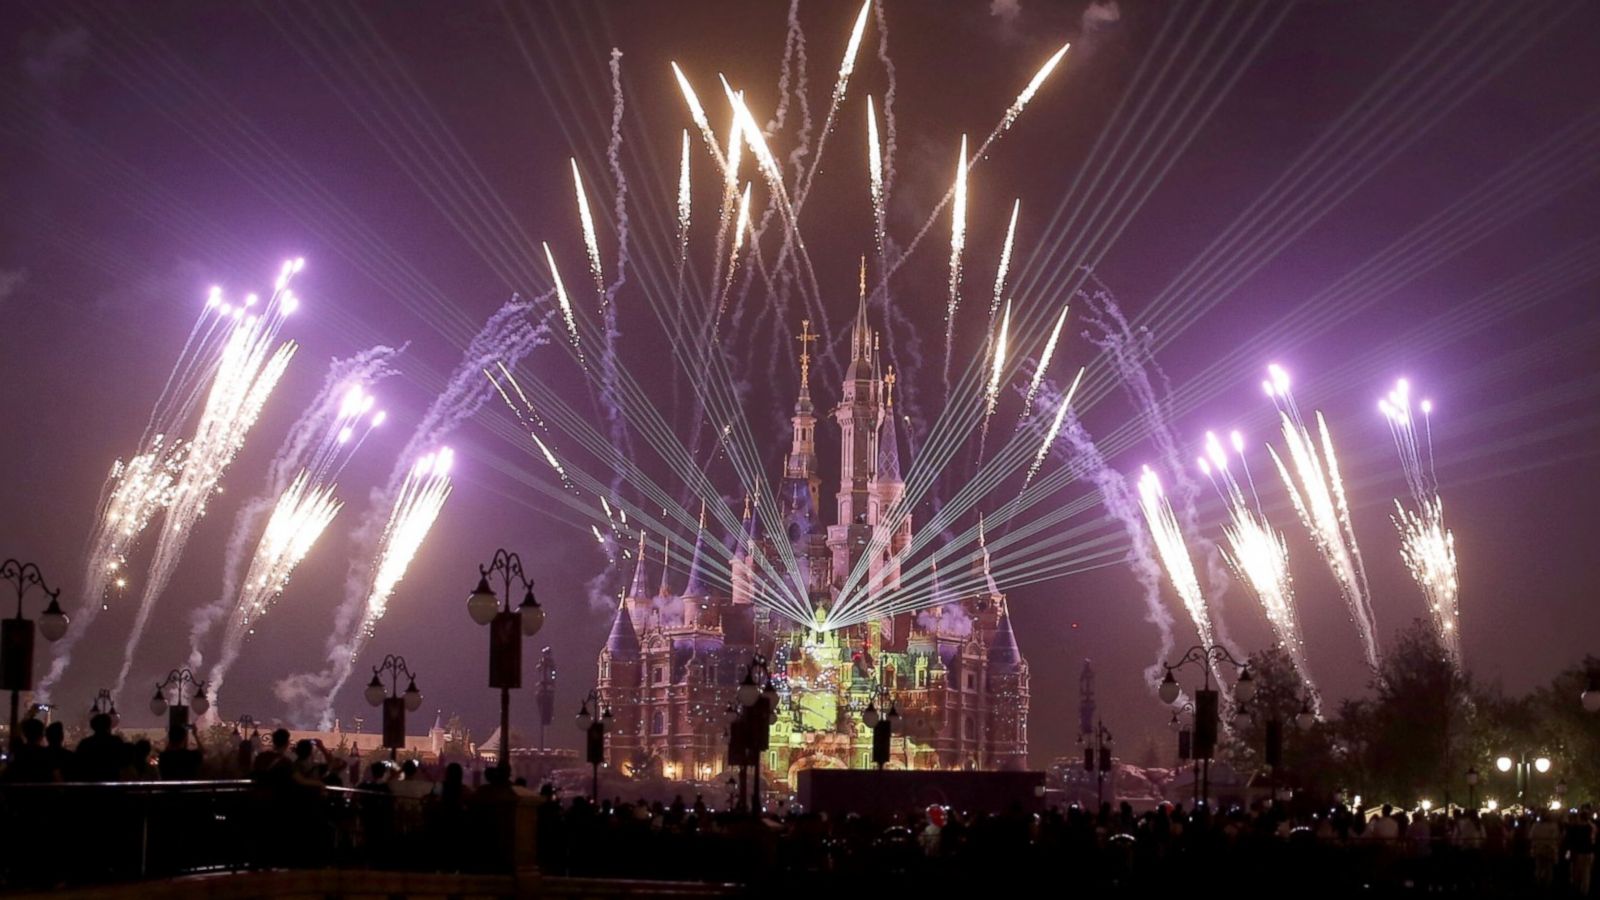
[[802, 485], [619, 682], [858, 415]]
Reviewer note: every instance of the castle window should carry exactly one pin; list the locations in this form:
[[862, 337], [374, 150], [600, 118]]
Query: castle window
[[658, 723], [711, 674], [968, 731], [972, 681], [659, 675]]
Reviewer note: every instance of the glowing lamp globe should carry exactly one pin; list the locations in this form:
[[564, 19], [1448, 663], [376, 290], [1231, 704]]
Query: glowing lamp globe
[[374, 692], [770, 694], [413, 697], [1245, 690], [1591, 697], [200, 704], [870, 716], [1169, 689], [482, 604], [607, 720], [53, 622], [1241, 717], [894, 716], [583, 720], [1503, 764], [1305, 718], [532, 614], [1542, 764], [158, 704]]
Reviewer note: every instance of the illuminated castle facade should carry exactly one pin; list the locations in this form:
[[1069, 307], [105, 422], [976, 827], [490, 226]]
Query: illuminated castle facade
[[675, 656]]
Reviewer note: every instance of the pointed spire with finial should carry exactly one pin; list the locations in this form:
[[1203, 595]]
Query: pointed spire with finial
[[861, 334], [697, 578], [666, 566], [641, 584], [888, 469], [806, 337]]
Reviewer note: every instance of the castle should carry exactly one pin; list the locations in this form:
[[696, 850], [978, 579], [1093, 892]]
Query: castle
[[674, 658]]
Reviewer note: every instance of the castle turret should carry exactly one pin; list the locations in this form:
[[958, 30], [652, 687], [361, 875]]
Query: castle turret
[[858, 415]]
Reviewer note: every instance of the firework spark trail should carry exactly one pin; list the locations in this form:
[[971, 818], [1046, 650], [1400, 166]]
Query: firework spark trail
[[958, 243], [730, 190], [591, 244], [1258, 554], [997, 365], [1043, 366], [846, 67], [1167, 536], [697, 114], [1005, 259], [1055, 426], [297, 521], [740, 227], [566, 304], [248, 367], [507, 336], [1317, 496], [684, 208], [311, 452], [875, 176], [1006, 121], [1427, 547]]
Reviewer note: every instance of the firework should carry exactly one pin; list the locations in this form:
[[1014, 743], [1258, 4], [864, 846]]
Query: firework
[[1015, 109], [561, 298], [697, 113], [300, 517], [1319, 501], [1257, 552], [683, 204], [416, 508], [590, 242], [1167, 536], [1044, 364], [848, 65], [958, 243], [247, 369], [1055, 429], [1426, 545], [875, 173], [1005, 260], [997, 364]]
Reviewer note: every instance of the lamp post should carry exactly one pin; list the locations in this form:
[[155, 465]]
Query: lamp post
[[594, 725], [1525, 770], [1472, 788], [1097, 759], [547, 692], [506, 628], [1205, 702], [395, 704], [1186, 744], [1590, 698], [754, 710], [247, 736], [16, 634], [177, 713], [104, 705], [882, 725]]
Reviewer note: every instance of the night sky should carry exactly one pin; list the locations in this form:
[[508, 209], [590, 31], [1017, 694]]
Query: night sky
[[1412, 188]]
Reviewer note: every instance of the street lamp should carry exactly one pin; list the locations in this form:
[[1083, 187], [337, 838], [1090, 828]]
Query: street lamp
[[248, 738], [178, 713], [882, 728], [16, 634], [104, 705], [1186, 744], [750, 720], [1591, 694], [506, 628], [395, 703], [1097, 759], [594, 725], [1205, 701], [1472, 788], [1525, 769]]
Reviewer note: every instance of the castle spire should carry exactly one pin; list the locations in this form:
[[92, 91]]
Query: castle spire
[[861, 334], [806, 337], [666, 567], [697, 577], [641, 584], [888, 469]]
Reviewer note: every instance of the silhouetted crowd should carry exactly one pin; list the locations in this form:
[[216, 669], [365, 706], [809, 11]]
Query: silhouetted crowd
[[293, 804]]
